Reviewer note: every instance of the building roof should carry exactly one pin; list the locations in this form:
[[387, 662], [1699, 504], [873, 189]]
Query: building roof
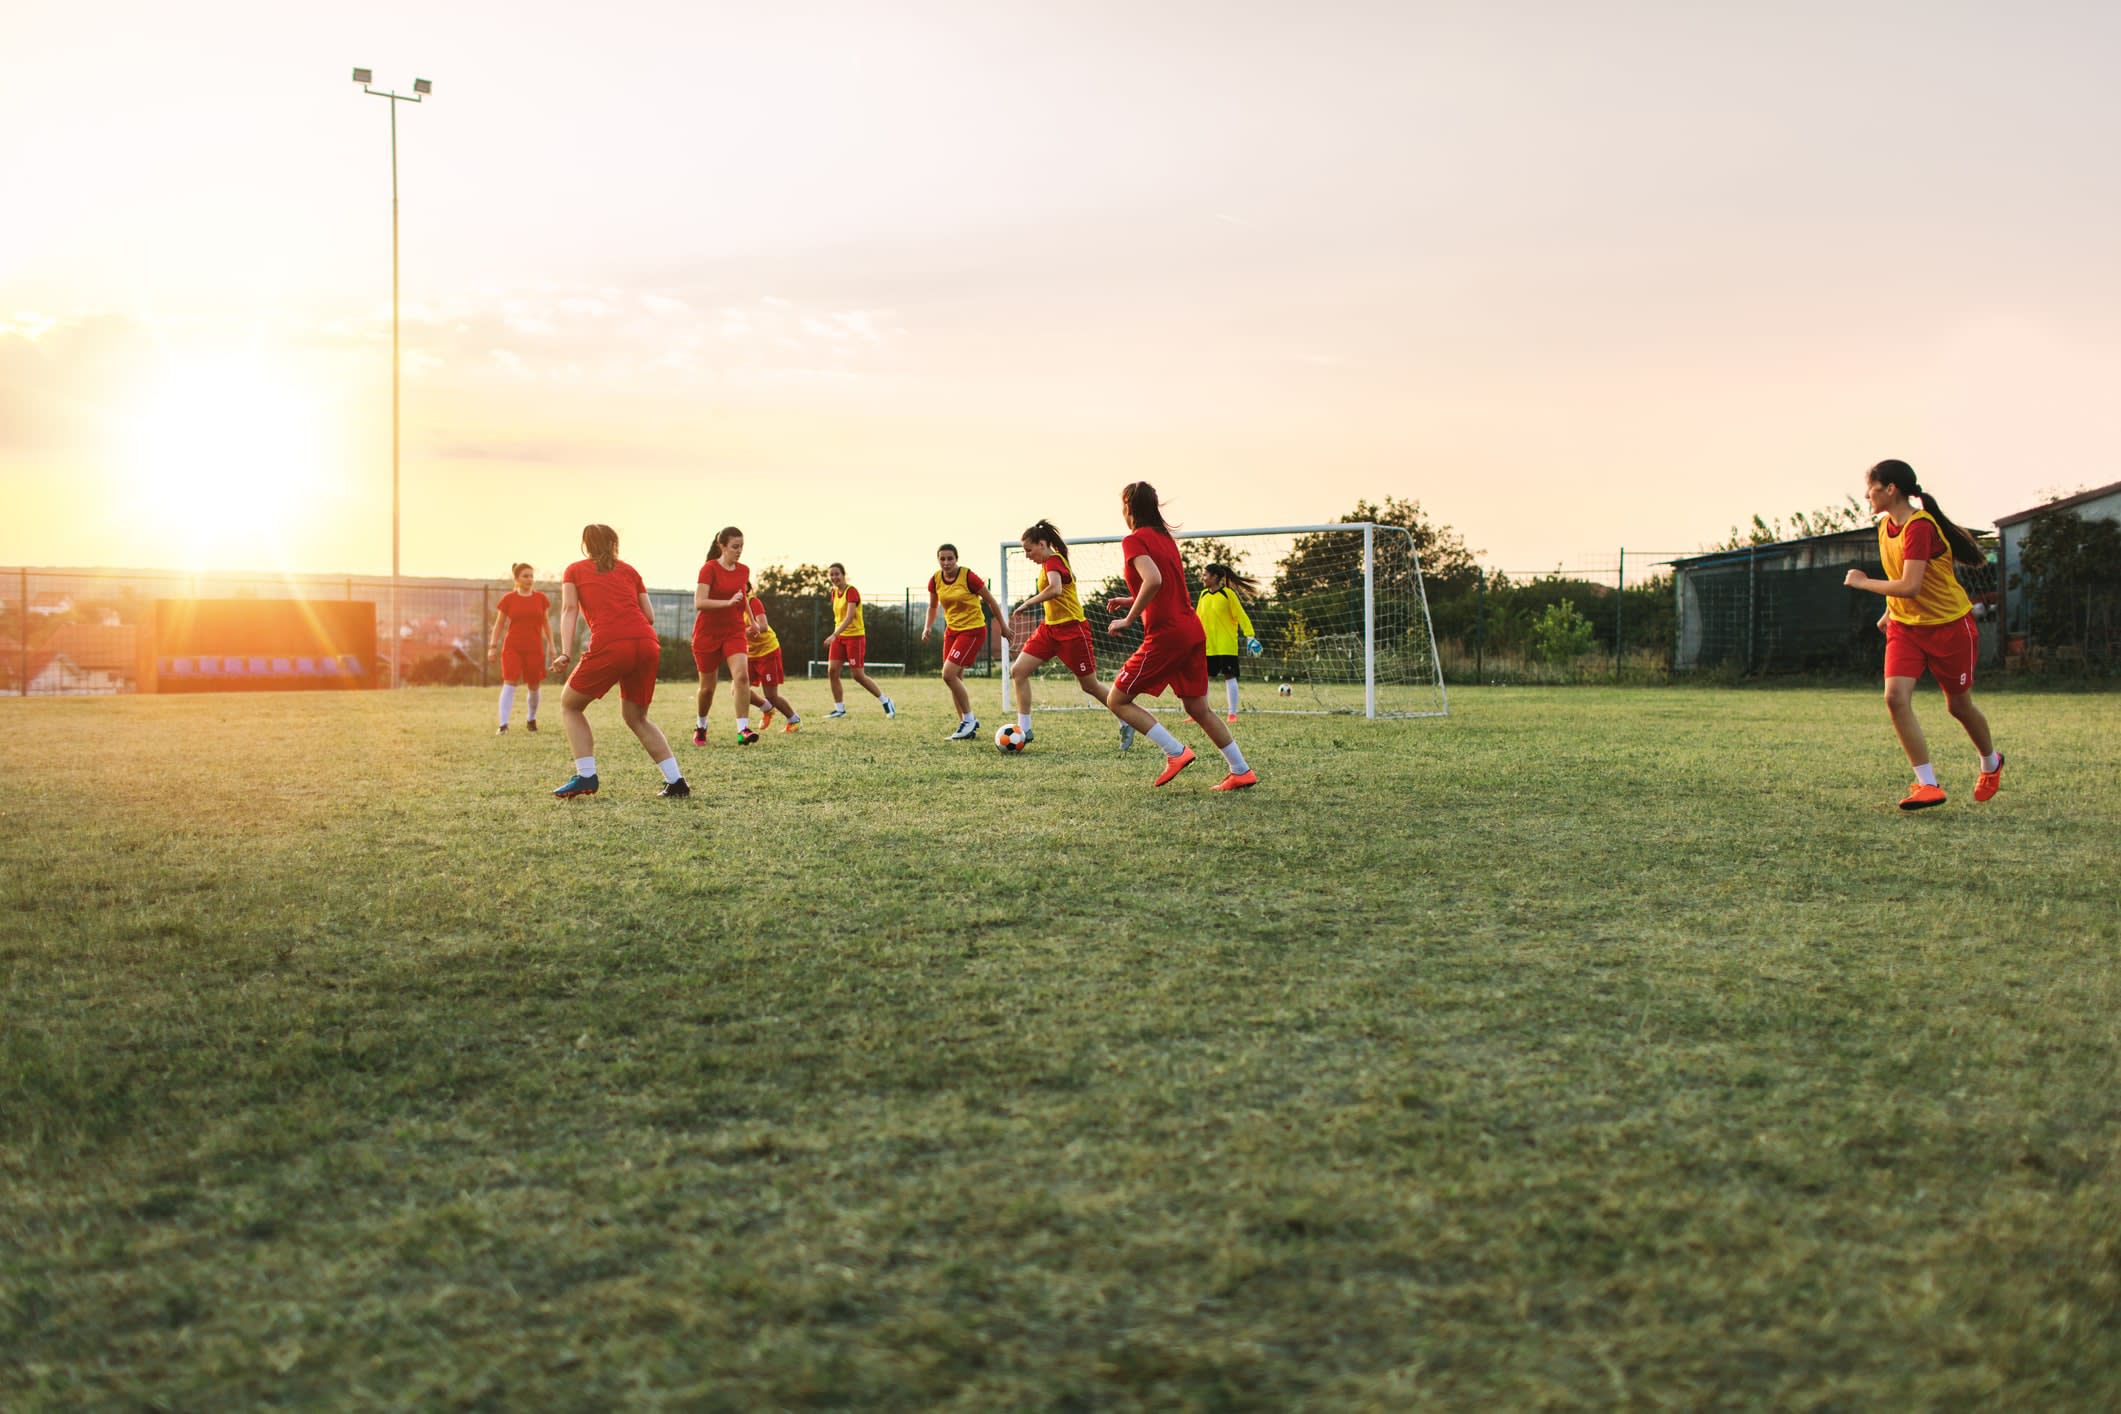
[[2065, 503], [1866, 533]]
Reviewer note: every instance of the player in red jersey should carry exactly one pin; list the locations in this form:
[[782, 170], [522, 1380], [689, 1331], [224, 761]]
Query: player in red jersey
[[961, 595], [1065, 634], [718, 633], [525, 616], [1928, 624], [623, 652], [1174, 647]]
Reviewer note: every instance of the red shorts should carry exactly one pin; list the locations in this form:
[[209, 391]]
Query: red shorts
[[709, 654], [1180, 665], [962, 645], [766, 670], [854, 652], [630, 663], [1069, 642], [523, 664], [1947, 650]]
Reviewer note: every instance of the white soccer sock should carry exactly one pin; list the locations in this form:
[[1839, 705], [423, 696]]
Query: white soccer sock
[[965, 717], [1230, 688], [1161, 735], [1926, 773], [1023, 721], [1236, 758], [1991, 761], [585, 765], [669, 767], [508, 701], [700, 722], [743, 723], [533, 701]]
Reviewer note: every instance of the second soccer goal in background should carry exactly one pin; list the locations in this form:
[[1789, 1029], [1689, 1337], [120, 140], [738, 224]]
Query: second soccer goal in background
[[1341, 614]]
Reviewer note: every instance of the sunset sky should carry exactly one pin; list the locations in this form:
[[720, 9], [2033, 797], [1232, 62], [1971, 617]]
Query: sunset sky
[[860, 277]]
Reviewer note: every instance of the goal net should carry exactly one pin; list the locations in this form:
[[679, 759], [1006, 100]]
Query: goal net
[[1340, 614]]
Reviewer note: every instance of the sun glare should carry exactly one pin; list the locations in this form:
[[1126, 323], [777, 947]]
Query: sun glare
[[224, 456]]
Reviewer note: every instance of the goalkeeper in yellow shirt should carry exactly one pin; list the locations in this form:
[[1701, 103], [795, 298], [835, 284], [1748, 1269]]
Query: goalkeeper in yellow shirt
[[1227, 625]]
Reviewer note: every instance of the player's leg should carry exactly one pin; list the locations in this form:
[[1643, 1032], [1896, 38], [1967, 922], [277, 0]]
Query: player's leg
[[740, 695], [581, 741], [702, 701], [1092, 688], [832, 680], [1900, 706], [1020, 673], [1230, 686], [780, 704], [1177, 755], [1225, 741], [508, 700], [954, 680]]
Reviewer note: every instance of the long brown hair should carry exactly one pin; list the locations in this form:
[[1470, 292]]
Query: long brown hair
[[1244, 586], [722, 538], [1045, 533], [1140, 500], [601, 543], [1901, 477]]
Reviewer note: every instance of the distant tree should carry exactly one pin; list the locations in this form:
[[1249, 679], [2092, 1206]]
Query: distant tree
[[792, 583], [1561, 634], [1849, 514], [1318, 564], [2072, 567]]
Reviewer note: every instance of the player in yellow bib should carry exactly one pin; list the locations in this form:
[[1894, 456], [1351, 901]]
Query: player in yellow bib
[[848, 643], [1065, 634], [967, 606], [1928, 624], [762, 646]]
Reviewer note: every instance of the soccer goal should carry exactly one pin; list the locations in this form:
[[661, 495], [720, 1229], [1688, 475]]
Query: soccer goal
[[1340, 613]]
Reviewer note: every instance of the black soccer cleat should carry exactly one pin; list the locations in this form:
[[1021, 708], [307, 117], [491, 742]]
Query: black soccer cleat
[[676, 790]]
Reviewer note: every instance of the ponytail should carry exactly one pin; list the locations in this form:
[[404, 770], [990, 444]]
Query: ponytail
[[1044, 531], [1901, 477], [1140, 500], [1243, 585], [601, 543], [723, 538]]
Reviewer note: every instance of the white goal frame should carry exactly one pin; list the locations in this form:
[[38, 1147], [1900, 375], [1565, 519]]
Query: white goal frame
[[1369, 531]]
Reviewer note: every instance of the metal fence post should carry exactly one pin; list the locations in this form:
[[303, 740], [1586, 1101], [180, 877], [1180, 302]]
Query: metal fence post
[[1752, 603], [22, 633], [1480, 623], [485, 618], [1620, 610]]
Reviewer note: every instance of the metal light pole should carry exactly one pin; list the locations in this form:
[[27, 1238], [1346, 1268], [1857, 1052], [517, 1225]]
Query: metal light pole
[[420, 89]]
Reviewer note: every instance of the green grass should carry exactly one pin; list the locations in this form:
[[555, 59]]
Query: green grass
[[1587, 1048]]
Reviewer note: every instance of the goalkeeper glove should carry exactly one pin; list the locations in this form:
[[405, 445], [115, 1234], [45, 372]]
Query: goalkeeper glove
[[1254, 647]]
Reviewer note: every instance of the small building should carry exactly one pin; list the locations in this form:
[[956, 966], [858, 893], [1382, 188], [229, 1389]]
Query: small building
[[1782, 608], [2011, 530]]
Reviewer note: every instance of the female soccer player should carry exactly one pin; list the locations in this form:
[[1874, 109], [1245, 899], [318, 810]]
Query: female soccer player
[[718, 633], [848, 643], [1065, 634], [1173, 652], [1928, 623], [1226, 624], [763, 647], [623, 650], [526, 616], [961, 594]]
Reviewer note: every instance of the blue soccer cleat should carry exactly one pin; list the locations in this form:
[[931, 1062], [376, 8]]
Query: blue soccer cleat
[[576, 786]]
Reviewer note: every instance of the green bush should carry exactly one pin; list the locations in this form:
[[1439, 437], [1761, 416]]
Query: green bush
[[1560, 634]]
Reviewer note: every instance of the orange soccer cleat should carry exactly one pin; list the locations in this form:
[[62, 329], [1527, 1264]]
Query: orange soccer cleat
[[1236, 780], [1922, 797], [1989, 782], [1174, 764]]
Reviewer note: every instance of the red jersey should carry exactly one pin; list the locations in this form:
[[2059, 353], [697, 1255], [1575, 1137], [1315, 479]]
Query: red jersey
[[714, 624], [611, 600], [1169, 615], [527, 616]]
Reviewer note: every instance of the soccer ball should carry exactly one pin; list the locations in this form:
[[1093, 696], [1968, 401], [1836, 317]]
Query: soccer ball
[[1285, 689], [1009, 740]]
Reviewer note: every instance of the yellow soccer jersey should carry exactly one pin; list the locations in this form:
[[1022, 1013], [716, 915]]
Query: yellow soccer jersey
[[758, 645], [959, 599], [1067, 606], [841, 598], [1940, 600], [1224, 620]]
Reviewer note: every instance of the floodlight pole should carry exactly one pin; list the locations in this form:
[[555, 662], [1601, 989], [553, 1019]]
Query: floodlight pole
[[421, 88]]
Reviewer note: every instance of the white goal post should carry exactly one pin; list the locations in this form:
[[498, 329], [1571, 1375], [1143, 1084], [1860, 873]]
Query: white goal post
[[1341, 615]]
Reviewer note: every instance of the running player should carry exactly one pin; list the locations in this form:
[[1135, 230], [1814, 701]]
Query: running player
[[718, 634], [526, 617], [1173, 652], [1225, 623], [1928, 623], [961, 595], [763, 647], [1064, 634], [848, 643], [604, 590]]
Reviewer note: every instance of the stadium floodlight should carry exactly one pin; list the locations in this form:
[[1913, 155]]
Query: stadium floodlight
[[1342, 615], [420, 89]]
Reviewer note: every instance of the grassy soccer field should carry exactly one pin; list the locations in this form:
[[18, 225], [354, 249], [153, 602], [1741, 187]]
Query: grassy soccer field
[[1587, 1048]]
